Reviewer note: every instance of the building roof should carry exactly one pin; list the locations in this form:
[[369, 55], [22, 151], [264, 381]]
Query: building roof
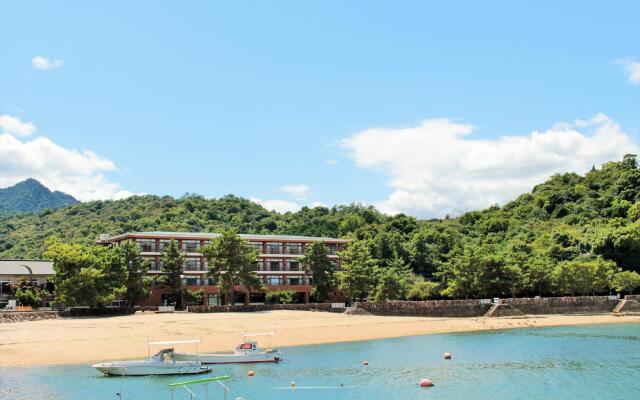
[[205, 235], [15, 267]]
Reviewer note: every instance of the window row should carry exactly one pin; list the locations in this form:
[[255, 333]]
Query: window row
[[194, 246], [198, 280], [190, 264], [268, 265]]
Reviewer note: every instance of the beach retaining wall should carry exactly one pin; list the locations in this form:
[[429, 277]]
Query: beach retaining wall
[[21, 316], [563, 305], [428, 308], [264, 307], [506, 307]]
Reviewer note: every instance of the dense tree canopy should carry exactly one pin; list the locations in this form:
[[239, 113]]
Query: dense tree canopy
[[232, 262], [526, 247]]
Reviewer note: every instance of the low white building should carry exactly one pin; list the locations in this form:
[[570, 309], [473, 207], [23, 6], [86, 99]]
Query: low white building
[[13, 271]]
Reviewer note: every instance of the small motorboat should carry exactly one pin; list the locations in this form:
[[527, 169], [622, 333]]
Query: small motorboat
[[244, 353], [163, 362]]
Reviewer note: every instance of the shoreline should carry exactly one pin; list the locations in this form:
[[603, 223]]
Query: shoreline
[[67, 341]]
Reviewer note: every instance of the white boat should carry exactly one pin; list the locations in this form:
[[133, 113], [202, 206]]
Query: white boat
[[161, 363], [244, 353]]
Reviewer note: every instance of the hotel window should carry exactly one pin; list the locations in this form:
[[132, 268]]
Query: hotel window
[[274, 248], [192, 264], [274, 265], [295, 280], [5, 286], [192, 281], [257, 266], [274, 280], [153, 265], [164, 243], [210, 281], [257, 246], [294, 248], [190, 246], [146, 245], [332, 248], [294, 265]]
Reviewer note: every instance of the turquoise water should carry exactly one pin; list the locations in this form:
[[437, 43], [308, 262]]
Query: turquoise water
[[588, 362]]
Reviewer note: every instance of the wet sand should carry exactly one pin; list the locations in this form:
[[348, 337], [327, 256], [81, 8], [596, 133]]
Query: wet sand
[[89, 340]]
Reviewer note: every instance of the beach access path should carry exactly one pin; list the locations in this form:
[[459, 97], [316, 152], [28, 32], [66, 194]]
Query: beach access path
[[89, 340]]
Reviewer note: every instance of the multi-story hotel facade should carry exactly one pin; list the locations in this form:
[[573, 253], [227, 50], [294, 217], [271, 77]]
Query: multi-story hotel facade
[[278, 265]]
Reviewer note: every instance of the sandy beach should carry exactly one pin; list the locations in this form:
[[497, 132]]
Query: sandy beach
[[88, 340]]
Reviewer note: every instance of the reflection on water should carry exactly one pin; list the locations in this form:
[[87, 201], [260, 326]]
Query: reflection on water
[[589, 362]]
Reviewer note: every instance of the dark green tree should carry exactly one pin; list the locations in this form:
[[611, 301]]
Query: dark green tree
[[626, 281], [359, 271], [393, 282], [85, 275], [138, 283], [423, 255], [583, 276], [172, 271], [317, 264], [232, 262]]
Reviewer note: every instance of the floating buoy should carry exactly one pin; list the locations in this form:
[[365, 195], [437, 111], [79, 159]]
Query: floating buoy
[[426, 382], [447, 356], [293, 384], [251, 373], [365, 362]]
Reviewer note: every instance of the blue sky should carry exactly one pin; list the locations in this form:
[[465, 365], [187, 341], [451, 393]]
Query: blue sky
[[297, 103]]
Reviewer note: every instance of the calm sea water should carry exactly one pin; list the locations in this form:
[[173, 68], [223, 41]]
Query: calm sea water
[[588, 362]]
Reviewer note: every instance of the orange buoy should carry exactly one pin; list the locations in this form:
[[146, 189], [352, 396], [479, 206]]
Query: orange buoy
[[251, 373], [447, 356], [426, 382], [365, 362]]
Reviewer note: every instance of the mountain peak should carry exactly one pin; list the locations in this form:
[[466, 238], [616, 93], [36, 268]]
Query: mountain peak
[[32, 196]]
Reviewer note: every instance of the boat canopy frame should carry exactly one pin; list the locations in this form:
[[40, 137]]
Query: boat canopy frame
[[171, 343], [269, 335]]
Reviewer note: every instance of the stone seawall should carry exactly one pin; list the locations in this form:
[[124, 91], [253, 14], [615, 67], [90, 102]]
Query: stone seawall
[[507, 307], [264, 307], [563, 305], [429, 308], [22, 316]]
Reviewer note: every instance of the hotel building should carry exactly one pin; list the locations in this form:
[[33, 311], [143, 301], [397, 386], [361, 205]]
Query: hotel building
[[278, 264]]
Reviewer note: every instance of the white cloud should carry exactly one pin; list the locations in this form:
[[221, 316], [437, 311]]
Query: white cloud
[[632, 68], [438, 167], [78, 173], [281, 206], [43, 63], [331, 162], [317, 204], [14, 126], [298, 191]]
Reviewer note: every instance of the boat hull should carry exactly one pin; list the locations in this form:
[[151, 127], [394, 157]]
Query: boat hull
[[151, 368], [230, 358]]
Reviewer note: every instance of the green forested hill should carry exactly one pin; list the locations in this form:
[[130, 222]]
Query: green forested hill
[[568, 218], [31, 196]]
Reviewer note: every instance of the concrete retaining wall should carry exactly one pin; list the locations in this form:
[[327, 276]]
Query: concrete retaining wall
[[264, 307], [429, 308], [563, 305], [21, 316]]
